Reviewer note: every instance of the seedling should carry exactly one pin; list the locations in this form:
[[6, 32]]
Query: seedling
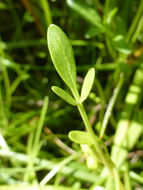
[[63, 59]]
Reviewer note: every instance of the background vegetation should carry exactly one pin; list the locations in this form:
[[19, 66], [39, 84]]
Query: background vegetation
[[34, 122]]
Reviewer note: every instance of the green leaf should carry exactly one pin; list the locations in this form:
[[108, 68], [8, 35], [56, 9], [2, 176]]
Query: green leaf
[[120, 44], [87, 84], [80, 137], [64, 95], [86, 12], [62, 56]]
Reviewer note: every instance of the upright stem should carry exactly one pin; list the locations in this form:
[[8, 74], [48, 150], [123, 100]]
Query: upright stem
[[36, 143], [138, 30], [108, 163], [106, 9], [47, 12], [104, 158]]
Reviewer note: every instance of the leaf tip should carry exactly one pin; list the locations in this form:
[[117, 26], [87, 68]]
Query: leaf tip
[[92, 70], [50, 30], [51, 26], [53, 88]]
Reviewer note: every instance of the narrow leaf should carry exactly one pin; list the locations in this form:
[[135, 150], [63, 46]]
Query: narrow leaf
[[80, 137], [87, 84], [86, 12], [64, 95], [62, 55]]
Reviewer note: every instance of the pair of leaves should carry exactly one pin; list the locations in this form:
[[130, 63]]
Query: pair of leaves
[[63, 59], [86, 88]]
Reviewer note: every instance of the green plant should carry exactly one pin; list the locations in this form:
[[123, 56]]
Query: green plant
[[63, 59], [50, 147]]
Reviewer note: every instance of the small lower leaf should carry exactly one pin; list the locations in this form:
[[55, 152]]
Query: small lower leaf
[[64, 95], [80, 137]]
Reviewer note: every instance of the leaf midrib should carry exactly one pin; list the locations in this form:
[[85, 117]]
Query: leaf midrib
[[65, 60]]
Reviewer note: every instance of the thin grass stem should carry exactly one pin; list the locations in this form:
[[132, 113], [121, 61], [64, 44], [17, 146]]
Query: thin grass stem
[[111, 105]]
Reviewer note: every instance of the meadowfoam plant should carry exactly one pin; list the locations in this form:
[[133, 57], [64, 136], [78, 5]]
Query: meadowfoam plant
[[63, 59]]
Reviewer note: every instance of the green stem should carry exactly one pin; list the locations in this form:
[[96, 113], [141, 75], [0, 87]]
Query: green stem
[[40, 124], [16, 82], [36, 143], [136, 177], [104, 158], [135, 21], [127, 179], [5, 78], [110, 48], [118, 184], [138, 30], [46, 164], [47, 12], [33, 187], [106, 9], [108, 163], [3, 116], [7, 86], [3, 143]]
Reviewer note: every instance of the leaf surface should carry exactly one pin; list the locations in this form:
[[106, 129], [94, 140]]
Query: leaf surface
[[80, 137], [87, 84], [64, 95], [62, 56]]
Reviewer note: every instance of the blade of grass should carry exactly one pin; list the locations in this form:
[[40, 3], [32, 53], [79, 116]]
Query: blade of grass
[[136, 177], [110, 105], [138, 30], [124, 127], [5, 79], [127, 179], [135, 21], [36, 143], [34, 187], [59, 167], [29, 7], [83, 175]]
